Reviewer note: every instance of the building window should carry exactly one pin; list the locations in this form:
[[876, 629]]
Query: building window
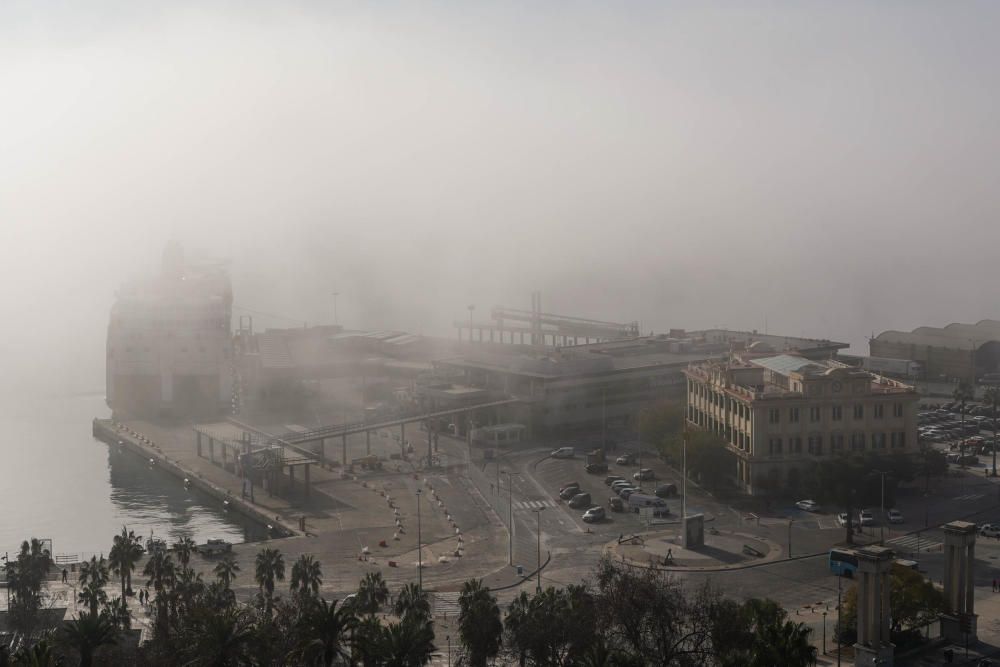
[[837, 442], [795, 445], [898, 439], [774, 446], [793, 415], [897, 409], [879, 410], [814, 414], [857, 442], [837, 413], [878, 440], [774, 415], [859, 411], [815, 444]]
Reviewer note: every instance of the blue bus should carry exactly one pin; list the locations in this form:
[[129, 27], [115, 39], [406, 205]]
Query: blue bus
[[843, 562]]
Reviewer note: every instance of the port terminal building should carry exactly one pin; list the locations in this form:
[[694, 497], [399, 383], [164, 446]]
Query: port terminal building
[[953, 352]]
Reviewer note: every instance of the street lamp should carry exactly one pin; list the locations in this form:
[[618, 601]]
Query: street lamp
[[335, 295], [472, 307], [420, 559], [824, 633], [882, 473], [790, 522], [538, 570], [510, 518]]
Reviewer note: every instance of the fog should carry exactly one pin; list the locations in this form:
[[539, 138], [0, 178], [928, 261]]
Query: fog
[[824, 169]]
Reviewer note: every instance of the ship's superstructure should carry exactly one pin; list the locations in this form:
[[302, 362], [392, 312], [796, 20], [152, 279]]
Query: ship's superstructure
[[170, 345]]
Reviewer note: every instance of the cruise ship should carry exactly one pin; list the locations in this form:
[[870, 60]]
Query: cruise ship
[[170, 343]]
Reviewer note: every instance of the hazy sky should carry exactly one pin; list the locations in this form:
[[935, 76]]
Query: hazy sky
[[828, 166]]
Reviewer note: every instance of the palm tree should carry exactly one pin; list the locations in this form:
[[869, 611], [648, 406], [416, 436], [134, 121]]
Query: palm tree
[[325, 630], [94, 577], [92, 595], [117, 611], [226, 570], [86, 634], [270, 566], [992, 397], [184, 547], [307, 575], [372, 593], [126, 550], [412, 600], [161, 572], [220, 638], [39, 655], [963, 394], [479, 623], [408, 643]]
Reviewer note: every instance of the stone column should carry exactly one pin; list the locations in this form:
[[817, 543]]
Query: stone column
[[960, 622], [874, 646]]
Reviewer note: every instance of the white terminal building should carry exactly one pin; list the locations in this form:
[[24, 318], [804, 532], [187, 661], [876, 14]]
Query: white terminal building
[[782, 413], [170, 345]]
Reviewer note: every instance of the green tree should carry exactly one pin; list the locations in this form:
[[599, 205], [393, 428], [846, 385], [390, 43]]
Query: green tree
[[94, 576], [25, 576], [38, 655], [408, 643], [117, 612], [372, 594], [226, 570], [87, 634], [307, 575], [913, 602], [709, 460], [126, 550], [269, 567], [161, 571], [660, 425], [412, 600], [219, 638], [183, 548], [324, 633], [479, 623]]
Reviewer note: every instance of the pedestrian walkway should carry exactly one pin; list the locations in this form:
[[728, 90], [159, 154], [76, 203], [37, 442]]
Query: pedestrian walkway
[[970, 496], [533, 504], [914, 543], [446, 603]]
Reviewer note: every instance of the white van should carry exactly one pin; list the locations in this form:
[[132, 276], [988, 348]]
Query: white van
[[637, 500], [563, 453]]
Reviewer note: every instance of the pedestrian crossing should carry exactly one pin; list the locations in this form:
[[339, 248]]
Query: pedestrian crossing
[[914, 543], [970, 496], [446, 604], [533, 504]]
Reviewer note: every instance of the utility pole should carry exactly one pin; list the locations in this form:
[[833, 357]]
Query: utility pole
[[420, 558], [538, 567], [335, 295], [510, 518]]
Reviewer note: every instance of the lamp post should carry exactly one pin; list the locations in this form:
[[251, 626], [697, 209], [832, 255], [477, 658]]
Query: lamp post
[[420, 560], [882, 474], [335, 295], [790, 522], [840, 580], [510, 518], [824, 633], [472, 307], [538, 567]]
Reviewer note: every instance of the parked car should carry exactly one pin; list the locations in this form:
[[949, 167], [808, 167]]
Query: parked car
[[567, 485], [611, 479], [866, 518], [569, 492], [563, 453], [594, 514], [666, 490], [643, 474], [625, 459], [625, 493], [808, 505], [894, 516], [990, 530], [580, 500], [616, 504], [596, 468]]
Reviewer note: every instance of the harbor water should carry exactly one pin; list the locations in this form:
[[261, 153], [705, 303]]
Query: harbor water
[[58, 482]]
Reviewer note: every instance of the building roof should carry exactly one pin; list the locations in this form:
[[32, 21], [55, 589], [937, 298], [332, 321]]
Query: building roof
[[787, 363], [955, 336]]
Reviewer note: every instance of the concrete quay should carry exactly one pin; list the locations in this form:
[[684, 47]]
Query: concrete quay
[[354, 523]]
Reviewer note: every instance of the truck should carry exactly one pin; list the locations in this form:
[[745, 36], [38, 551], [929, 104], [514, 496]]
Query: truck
[[638, 500]]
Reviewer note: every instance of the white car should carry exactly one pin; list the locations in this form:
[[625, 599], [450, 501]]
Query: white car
[[563, 453], [894, 516], [594, 514], [808, 505], [842, 520], [866, 518], [990, 530]]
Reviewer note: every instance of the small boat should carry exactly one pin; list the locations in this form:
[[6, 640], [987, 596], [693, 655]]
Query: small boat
[[214, 547]]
